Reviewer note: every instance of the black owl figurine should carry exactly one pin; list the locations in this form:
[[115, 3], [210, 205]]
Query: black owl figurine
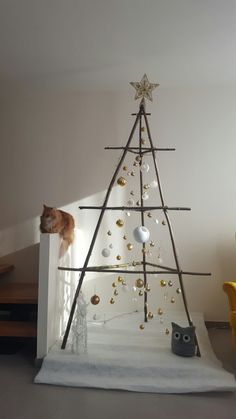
[[183, 340]]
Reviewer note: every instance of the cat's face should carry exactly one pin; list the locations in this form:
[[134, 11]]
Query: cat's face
[[183, 340], [48, 212]]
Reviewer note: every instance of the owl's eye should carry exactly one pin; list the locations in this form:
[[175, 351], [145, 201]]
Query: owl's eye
[[186, 338], [177, 335]]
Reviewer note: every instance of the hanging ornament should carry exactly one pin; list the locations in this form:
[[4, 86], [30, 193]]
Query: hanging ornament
[[156, 221], [135, 164], [162, 283], [149, 214], [114, 285], [130, 203], [160, 311], [172, 300], [167, 331], [138, 158], [145, 196], [125, 287], [159, 259], [178, 291], [134, 289], [141, 327], [140, 293], [144, 167], [112, 301], [120, 223], [165, 296], [138, 203], [163, 222], [139, 283], [121, 181], [128, 213], [144, 250], [147, 288], [142, 129], [153, 184], [125, 168], [170, 283], [146, 186], [125, 237], [129, 246], [111, 246], [95, 299], [120, 279], [118, 257], [132, 173], [152, 244], [124, 282], [143, 142], [132, 193], [150, 315], [141, 234], [106, 252], [116, 292], [109, 233], [128, 173]]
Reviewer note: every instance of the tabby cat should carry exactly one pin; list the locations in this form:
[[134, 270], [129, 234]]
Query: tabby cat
[[54, 220]]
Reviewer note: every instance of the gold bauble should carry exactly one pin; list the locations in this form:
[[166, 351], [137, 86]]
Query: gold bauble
[[150, 315], [146, 187], [143, 142], [112, 301], [129, 246], [120, 279], [142, 129], [178, 291], [140, 293], [162, 283], [119, 222], [118, 257], [141, 327], [167, 331], [95, 299], [116, 292], [148, 288], [144, 250], [125, 168], [160, 311], [125, 237], [121, 181], [114, 285], [139, 283], [172, 300], [138, 158]]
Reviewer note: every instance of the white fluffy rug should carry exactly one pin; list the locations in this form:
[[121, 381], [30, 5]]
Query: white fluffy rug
[[121, 356]]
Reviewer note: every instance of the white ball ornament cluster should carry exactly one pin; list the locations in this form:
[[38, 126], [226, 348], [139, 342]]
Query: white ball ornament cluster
[[141, 234]]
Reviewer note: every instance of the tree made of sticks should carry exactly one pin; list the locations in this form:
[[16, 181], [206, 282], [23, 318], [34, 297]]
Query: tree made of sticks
[[142, 267]]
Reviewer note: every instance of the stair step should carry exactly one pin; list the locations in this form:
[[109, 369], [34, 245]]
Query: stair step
[[19, 293], [4, 268], [18, 329]]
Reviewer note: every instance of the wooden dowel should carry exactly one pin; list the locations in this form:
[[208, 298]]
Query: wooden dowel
[[141, 208]]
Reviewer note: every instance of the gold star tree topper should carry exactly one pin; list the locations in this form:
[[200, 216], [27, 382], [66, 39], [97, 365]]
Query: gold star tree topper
[[144, 88]]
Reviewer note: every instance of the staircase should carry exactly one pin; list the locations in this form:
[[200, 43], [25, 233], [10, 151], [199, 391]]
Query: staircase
[[18, 309]]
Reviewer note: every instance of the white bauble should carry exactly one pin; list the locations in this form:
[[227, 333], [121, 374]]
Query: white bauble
[[130, 203], [141, 234], [144, 167], [153, 184], [145, 196], [106, 252]]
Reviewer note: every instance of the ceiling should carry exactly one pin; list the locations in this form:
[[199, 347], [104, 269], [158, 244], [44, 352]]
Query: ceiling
[[103, 44]]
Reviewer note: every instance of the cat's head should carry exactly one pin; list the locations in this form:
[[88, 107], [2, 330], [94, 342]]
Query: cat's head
[[48, 212], [183, 340]]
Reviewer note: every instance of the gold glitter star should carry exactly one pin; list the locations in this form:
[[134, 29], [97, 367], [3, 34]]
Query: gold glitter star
[[144, 88]]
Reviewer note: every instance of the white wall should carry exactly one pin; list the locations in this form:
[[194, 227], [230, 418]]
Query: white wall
[[52, 152]]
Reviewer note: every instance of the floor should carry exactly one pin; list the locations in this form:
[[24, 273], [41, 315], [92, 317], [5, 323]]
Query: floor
[[21, 399]]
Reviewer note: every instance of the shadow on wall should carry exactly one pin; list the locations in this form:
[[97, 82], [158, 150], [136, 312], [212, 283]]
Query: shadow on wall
[[26, 263]]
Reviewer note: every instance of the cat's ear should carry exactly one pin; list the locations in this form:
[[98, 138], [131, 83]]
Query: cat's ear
[[174, 325], [44, 206]]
